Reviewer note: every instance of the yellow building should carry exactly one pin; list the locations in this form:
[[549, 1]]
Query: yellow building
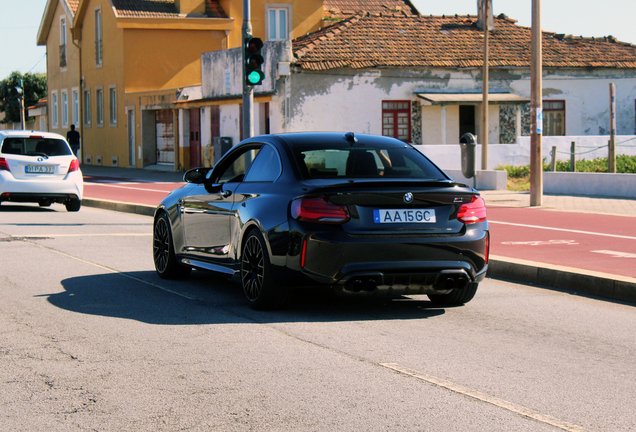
[[116, 67], [62, 65]]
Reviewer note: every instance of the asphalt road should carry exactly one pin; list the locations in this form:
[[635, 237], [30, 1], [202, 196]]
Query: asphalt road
[[92, 339]]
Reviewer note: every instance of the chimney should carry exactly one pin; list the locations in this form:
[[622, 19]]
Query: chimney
[[190, 7], [480, 14]]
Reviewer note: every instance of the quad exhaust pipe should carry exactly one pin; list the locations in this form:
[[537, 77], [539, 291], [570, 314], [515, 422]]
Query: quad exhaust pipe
[[450, 281], [358, 285], [445, 280]]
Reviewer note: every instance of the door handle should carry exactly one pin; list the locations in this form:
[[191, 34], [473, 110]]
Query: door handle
[[226, 193]]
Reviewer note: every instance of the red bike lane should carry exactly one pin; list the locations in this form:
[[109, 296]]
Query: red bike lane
[[127, 190], [587, 241]]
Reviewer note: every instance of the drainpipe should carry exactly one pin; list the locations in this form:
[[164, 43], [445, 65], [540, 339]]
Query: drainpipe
[[177, 143], [80, 101]]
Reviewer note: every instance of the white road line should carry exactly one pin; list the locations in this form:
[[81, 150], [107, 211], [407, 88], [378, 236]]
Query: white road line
[[36, 236], [476, 394], [616, 254], [564, 230]]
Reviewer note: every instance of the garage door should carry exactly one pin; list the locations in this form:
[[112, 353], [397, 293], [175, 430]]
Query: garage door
[[164, 121]]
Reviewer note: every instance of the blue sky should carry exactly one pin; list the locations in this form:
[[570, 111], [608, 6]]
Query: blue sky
[[21, 20]]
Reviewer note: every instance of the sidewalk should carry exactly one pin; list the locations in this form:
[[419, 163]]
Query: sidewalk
[[576, 280]]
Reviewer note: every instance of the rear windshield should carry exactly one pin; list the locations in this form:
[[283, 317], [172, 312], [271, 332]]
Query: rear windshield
[[366, 162], [35, 147]]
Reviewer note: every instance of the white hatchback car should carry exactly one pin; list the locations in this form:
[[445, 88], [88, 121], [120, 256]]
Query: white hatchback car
[[39, 167]]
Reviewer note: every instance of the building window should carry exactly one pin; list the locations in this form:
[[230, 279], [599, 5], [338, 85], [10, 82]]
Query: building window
[[112, 104], [87, 107], [54, 105], [396, 119], [62, 42], [75, 106], [64, 108], [98, 37], [554, 118], [99, 106], [278, 22]]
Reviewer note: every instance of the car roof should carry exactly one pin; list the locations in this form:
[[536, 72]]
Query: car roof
[[331, 139], [29, 133]]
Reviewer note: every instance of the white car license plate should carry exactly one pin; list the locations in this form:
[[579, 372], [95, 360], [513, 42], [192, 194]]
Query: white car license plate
[[38, 169], [404, 216]]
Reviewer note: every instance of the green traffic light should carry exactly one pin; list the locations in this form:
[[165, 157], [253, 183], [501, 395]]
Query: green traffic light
[[254, 77]]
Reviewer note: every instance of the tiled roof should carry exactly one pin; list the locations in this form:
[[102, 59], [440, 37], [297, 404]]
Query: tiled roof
[[160, 9], [366, 40], [339, 9], [73, 4]]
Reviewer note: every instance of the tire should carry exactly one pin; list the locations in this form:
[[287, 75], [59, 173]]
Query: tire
[[166, 263], [455, 297], [256, 275], [73, 205]]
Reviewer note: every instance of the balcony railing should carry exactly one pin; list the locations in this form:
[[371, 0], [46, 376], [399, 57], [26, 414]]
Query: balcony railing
[[98, 52], [62, 55]]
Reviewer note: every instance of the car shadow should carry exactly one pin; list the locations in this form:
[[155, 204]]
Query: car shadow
[[207, 299], [15, 208]]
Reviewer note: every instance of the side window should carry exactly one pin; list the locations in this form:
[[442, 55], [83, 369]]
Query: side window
[[266, 167], [234, 169]]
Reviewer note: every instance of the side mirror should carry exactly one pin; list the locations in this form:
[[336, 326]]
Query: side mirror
[[196, 175]]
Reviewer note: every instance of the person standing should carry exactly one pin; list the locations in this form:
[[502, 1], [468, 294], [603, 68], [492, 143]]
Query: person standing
[[73, 138]]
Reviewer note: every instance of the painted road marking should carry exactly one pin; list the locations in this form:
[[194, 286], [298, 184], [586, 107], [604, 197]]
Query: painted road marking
[[476, 394], [616, 254], [541, 243], [564, 230]]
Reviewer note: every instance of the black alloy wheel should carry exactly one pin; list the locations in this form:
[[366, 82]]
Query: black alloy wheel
[[166, 263], [256, 278]]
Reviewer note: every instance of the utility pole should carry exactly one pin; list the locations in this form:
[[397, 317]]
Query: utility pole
[[536, 110], [484, 109], [611, 168], [248, 90]]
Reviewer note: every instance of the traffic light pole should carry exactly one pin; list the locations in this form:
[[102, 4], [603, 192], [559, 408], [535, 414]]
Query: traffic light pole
[[248, 90], [22, 120]]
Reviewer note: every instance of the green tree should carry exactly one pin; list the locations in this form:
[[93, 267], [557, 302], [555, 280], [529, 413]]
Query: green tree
[[33, 86]]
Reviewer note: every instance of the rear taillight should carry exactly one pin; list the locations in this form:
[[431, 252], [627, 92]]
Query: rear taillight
[[472, 212], [4, 165], [319, 210], [74, 166]]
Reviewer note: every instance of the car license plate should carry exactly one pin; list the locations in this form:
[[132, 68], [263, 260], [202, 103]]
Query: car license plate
[[38, 169], [404, 216]]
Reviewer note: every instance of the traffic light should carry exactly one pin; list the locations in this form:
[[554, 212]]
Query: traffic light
[[18, 88], [253, 61]]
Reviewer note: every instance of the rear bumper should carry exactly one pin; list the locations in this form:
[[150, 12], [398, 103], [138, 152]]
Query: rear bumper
[[37, 197], [41, 187], [409, 265]]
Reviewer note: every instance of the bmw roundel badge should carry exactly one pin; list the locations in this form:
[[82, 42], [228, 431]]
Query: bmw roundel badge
[[408, 197], [40, 159]]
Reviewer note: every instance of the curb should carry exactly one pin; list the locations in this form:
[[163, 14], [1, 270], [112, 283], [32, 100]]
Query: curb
[[119, 206], [604, 285], [560, 278]]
